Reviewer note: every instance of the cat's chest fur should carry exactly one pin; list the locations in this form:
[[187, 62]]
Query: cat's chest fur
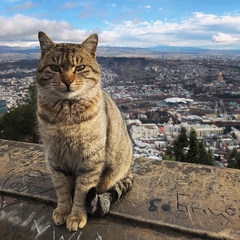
[[70, 141]]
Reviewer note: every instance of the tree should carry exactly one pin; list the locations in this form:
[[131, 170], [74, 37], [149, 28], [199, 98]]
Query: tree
[[180, 144], [192, 156], [169, 154], [20, 123], [204, 157], [234, 159], [196, 152]]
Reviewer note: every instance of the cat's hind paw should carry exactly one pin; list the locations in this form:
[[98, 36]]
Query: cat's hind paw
[[60, 216], [76, 221]]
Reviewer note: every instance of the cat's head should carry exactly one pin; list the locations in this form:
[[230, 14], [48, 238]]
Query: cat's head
[[68, 70]]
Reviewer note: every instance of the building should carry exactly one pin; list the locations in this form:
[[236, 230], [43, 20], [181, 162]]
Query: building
[[221, 141], [220, 77], [191, 119], [171, 131], [144, 131], [205, 130]]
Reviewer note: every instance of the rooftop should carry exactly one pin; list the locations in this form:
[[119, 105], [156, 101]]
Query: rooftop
[[169, 200]]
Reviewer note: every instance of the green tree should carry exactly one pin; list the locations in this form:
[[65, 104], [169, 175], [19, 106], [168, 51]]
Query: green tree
[[192, 156], [20, 123], [196, 152], [234, 159], [169, 154], [204, 157], [180, 144]]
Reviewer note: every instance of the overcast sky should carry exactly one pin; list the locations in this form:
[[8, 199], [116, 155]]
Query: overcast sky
[[213, 24]]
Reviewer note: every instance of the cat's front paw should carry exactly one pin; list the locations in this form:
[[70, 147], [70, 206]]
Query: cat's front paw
[[60, 216], [76, 221]]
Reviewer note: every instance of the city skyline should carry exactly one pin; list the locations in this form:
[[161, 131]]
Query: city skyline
[[202, 24]]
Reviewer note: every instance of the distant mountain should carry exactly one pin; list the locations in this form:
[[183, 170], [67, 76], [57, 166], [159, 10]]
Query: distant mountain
[[177, 48], [8, 49], [109, 51]]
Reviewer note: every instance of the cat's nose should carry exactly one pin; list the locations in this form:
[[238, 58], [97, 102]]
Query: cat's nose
[[67, 81]]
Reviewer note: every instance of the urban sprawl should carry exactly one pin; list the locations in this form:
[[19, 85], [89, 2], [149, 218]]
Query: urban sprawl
[[158, 97]]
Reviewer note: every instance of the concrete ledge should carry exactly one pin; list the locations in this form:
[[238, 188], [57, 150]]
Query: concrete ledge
[[169, 200]]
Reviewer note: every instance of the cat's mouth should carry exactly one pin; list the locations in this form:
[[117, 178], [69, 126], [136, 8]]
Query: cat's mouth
[[68, 89]]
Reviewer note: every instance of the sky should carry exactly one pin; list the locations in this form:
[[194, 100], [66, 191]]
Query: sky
[[212, 24]]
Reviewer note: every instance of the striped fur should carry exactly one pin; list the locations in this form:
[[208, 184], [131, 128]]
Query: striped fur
[[85, 138], [100, 204]]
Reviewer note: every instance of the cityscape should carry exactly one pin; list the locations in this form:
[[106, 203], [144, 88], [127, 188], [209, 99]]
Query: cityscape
[[173, 69], [158, 95]]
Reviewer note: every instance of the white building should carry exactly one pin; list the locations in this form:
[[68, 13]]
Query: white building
[[171, 131], [205, 129], [144, 131]]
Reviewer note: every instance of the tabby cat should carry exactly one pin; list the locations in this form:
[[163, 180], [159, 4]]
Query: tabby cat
[[85, 137]]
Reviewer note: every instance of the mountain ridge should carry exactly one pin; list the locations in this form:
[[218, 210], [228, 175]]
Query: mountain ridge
[[113, 51], [6, 49]]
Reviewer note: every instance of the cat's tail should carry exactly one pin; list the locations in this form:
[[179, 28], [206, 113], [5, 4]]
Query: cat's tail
[[100, 204]]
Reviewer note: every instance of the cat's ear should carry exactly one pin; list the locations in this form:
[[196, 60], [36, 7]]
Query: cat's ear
[[90, 44], [45, 42]]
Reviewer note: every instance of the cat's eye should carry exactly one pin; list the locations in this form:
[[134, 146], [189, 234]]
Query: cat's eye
[[79, 68], [55, 68]]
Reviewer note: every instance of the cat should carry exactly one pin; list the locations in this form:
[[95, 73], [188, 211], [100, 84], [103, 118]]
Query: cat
[[87, 146]]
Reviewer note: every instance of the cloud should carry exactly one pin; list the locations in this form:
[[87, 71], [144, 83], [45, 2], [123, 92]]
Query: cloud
[[22, 7], [144, 7], [21, 28], [212, 22], [70, 5], [221, 37], [201, 30]]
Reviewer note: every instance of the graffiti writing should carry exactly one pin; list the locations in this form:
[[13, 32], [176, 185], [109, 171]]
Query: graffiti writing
[[185, 207], [32, 181], [38, 228]]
